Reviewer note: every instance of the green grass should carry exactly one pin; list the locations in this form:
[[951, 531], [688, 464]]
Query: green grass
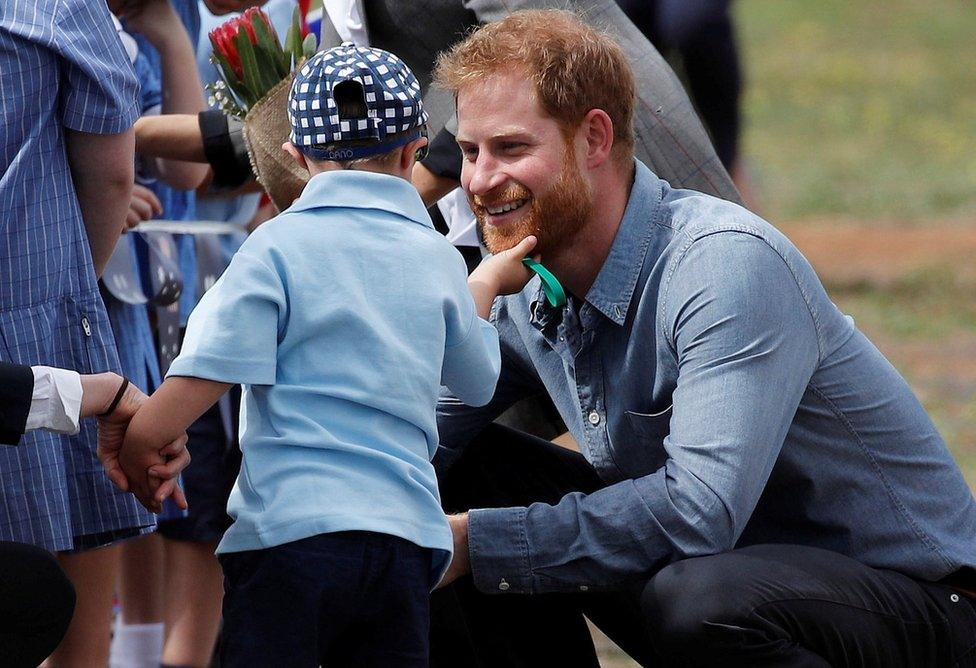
[[863, 109]]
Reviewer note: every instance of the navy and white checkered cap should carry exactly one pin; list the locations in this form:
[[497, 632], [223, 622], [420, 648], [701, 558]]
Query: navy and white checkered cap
[[393, 102]]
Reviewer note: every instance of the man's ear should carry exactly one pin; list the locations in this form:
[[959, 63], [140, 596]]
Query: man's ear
[[293, 151], [597, 129]]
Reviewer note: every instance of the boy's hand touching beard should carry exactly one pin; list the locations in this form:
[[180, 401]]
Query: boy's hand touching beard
[[504, 271]]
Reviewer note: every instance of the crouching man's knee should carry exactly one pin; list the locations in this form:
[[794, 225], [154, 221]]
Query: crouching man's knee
[[695, 607]]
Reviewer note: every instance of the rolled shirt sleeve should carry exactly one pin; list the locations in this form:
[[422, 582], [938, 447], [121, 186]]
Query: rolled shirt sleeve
[[746, 346], [99, 89], [233, 333]]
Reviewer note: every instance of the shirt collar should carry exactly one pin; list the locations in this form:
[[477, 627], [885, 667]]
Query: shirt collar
[[613, 288], [356, 189]]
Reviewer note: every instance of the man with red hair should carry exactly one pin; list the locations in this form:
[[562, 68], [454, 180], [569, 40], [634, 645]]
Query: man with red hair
[[757, 485]]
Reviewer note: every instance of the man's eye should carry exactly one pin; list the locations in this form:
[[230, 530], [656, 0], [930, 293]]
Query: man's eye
[[511, 146], [470, 152]]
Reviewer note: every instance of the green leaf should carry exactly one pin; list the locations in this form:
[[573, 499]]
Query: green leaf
[[267, 68], [252, 79], [309, 46], [293, 40], [228, 76], [268, 44]]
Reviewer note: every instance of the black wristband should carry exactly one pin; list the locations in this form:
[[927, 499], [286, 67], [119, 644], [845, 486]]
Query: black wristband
[[117, 399], [223, 145]]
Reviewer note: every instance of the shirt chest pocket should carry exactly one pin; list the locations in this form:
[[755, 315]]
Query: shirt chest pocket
[[651, 428], [641, 451]]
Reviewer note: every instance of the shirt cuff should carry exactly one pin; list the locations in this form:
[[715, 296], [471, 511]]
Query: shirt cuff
[[499, 551], [56, 401]]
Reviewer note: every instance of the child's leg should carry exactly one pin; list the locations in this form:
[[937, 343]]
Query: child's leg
[[138, 637], [93, 573], [393, 617], [193, 598]]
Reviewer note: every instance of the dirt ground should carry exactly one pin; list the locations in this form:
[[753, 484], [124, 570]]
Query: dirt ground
[[881, 252]]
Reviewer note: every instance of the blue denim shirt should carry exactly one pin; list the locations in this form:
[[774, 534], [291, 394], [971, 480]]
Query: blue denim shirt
[[725, 401]]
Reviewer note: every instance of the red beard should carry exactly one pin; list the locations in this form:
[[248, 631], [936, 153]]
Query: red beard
[[553, 217]]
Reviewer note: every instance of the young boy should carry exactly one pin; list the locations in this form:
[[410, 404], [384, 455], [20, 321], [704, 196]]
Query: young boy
[[341, 317]]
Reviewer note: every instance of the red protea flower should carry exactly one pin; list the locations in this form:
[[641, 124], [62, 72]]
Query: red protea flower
[[303, 7], [252, 14], [222, 39]]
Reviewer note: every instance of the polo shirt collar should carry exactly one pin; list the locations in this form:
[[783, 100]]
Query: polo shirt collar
[[613, 288], [355, 189]]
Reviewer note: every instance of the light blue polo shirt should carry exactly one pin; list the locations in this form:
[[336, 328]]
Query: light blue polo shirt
[[342, 317]]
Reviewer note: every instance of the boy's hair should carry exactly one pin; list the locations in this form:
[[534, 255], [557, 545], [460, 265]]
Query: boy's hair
[[350, 99], [574, 67]]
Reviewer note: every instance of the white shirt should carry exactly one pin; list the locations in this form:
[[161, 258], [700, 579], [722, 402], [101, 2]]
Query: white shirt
[[347, 21], [461, 223], [56, 401]]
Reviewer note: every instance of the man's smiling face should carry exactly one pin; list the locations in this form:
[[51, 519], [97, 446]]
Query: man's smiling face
[[520, 169]]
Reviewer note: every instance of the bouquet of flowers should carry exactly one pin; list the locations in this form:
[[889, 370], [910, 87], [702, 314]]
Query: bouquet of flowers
[[256, 72]]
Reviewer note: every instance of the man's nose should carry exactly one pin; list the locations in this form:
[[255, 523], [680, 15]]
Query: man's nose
[[483, 175]]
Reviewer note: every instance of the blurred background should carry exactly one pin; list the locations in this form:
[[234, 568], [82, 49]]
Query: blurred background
[[859, 142]]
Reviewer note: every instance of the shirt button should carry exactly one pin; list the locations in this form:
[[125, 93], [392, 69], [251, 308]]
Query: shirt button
[[584, 588], [594, 418], [503, 586], [954, 598]]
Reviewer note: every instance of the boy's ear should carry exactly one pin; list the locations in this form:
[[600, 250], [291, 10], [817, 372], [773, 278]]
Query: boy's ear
[[409, 152], [293, 151]]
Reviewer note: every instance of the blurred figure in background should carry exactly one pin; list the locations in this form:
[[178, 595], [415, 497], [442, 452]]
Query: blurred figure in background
[[700, 36]]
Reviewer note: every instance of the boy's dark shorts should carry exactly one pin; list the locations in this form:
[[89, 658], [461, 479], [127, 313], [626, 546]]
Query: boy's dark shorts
[[208, 480], [351, 598]]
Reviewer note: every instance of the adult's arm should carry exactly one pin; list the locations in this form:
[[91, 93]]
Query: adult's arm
[[221, 7], [746, 345], [172, 137], [16, 387], [207, 137], [103, 170], [670, 138]]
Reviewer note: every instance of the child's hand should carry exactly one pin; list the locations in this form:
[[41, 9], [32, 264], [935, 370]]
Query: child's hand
[[134, 462], [504, 271], [143, 205]]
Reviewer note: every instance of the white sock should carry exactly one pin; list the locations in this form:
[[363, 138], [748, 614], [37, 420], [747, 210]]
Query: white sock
[[136, 645]]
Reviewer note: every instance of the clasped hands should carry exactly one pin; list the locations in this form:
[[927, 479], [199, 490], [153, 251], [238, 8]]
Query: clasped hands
[[149, 472]]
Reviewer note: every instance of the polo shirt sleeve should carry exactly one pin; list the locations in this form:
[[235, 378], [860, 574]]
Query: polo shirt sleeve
[[472, 358], [233, 333], [99, 92]]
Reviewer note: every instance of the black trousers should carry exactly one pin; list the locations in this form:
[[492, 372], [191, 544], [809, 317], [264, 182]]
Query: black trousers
[[36, 604], [350, 599], [762, 605]]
